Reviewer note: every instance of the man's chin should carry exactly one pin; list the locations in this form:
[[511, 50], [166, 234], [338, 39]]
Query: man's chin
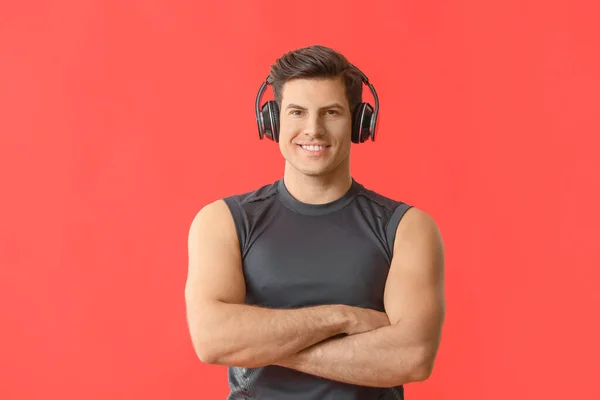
[[314, 172], [313, 169]]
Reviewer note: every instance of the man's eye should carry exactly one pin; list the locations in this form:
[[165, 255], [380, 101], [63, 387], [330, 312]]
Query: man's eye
[[332, 112], [296, 112]]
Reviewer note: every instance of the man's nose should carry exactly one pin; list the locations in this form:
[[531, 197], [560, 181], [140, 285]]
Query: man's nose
[[314, 126]]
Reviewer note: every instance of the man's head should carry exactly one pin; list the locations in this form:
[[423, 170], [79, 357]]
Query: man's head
[[317, 90]]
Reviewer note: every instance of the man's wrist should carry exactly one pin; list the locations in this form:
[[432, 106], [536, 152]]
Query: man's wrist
[[346, 319]]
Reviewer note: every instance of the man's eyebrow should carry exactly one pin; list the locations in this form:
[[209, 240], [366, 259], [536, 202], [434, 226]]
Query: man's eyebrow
[[327, 107]]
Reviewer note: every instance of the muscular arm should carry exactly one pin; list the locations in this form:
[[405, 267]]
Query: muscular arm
[[225, 331], [414, 301]]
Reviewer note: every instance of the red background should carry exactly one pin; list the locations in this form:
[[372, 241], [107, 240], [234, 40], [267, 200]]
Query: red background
[[119, 120]]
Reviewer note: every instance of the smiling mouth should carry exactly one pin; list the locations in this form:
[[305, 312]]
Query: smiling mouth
[[315, 148]]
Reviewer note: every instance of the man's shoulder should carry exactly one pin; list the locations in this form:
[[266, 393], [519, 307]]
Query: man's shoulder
[[377, 197], [260, 193]]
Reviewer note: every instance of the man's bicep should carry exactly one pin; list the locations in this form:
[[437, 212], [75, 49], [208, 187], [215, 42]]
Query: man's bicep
[[414, 291], [214, 259]]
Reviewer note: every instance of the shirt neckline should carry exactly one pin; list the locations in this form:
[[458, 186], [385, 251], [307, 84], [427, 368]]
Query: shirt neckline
[[317, 209]]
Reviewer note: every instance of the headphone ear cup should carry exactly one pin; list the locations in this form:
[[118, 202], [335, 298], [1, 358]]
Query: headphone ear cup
[[275, 119], [356, 123], [265, 122], [361, 124], [270, 120]]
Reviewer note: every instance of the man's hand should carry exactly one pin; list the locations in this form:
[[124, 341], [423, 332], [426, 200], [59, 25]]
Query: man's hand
[[365, 320]]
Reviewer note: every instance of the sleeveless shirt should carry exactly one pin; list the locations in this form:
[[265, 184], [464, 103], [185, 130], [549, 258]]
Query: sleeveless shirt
[[300, 255]]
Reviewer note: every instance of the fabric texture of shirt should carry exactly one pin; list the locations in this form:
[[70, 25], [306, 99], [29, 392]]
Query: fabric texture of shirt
[[300, 255]]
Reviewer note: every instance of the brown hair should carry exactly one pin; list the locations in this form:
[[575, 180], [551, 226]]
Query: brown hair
[[316, 62]]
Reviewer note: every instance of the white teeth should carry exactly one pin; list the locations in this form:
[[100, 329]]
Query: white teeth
[[313, 148]]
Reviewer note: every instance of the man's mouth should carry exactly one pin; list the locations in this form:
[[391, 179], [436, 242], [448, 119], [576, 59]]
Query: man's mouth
[[314, 148]]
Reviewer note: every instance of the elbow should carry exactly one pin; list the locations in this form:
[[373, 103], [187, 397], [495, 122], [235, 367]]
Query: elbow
[[207, 357], [206, 344], [204, 351], [419, 370], [205, 340], [422, 368], [215, 353], [239, 359]]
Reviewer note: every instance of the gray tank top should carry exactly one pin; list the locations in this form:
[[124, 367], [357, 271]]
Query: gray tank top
[[299, 255]]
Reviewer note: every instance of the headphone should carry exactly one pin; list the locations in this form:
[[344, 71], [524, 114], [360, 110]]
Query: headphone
[[364, 117]]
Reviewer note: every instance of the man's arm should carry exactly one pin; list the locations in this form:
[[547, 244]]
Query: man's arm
[[414, 301], [225, 331]]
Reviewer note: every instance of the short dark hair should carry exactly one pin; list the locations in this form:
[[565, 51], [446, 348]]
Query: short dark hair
[[316, 62]]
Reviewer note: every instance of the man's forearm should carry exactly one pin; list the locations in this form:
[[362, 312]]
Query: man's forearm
[[249, 336], [378, 358]]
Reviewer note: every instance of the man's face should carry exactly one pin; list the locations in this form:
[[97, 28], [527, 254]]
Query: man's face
[[315, 125]]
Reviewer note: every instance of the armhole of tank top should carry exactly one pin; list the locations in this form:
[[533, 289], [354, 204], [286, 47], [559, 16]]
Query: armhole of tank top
[[239, 221], [392, 226]]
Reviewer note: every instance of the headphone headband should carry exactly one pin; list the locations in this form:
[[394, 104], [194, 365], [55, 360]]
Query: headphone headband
[[257, 106]]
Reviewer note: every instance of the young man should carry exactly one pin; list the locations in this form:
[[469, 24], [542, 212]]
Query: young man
[[314, 287]]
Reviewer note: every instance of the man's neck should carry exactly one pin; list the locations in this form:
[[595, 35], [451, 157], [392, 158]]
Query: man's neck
[[317, 189]]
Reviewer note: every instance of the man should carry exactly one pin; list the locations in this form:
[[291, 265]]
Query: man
[[314, 287]]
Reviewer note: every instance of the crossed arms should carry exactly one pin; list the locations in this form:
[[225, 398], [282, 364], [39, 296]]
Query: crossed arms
[[337, 342]]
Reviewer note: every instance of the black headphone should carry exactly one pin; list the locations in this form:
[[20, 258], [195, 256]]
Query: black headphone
[[364, 118]]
